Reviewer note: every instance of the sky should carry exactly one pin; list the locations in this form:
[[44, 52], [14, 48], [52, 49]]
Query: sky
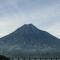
[[44, 14]]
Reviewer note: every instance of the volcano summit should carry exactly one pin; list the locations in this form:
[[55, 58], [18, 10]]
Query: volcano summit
[[28, 40]]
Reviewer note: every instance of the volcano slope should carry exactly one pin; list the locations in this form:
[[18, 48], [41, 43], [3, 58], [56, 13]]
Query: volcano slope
[[28, 40]]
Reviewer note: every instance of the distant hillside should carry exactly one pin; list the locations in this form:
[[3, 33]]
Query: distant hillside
[[30, 41]]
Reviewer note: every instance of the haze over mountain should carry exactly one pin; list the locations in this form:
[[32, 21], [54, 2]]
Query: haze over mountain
[[29, 40]]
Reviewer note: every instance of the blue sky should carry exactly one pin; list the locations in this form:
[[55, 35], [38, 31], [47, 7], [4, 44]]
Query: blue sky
[[44, 14]]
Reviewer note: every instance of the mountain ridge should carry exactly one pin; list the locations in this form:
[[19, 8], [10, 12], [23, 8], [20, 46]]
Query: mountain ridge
[[28, 39]]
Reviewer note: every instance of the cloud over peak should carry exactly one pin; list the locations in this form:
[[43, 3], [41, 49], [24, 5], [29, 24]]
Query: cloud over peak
[[45, 14]]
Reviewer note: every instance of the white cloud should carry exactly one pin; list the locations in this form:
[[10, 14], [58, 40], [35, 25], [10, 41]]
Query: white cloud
[[54, 30], [44, 14]]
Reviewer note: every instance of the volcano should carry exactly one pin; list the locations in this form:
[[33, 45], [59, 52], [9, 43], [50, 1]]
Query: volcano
[[28, 40]]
